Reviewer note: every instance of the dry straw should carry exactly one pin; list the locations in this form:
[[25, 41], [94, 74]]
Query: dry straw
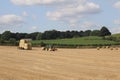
[[98, 48]]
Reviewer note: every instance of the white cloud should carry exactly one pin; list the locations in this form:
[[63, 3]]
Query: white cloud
[[74, 12], [77, 11], [34, 27], [11, 20], [115, 30], [35, 2], [117, 5], [34, 17], [88, 24], [25, 13], [85, 25], [117, 21], [68, 11]]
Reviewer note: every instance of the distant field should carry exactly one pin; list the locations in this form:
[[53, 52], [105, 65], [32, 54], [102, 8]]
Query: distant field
[[84, 41], [116, 35]]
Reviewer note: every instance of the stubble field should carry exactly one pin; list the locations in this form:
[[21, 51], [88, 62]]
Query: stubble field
[[64, 64]]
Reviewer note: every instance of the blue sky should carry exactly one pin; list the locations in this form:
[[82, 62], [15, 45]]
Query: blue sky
[[41, 15]]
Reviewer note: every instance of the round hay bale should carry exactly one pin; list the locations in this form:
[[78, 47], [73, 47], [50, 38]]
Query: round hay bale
[[116, 48], [103, 47], [111, 48], [107, 47], [50, 49], [98, 48], [43, 48]]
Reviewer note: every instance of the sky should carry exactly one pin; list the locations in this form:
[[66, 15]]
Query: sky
[[40, 15]]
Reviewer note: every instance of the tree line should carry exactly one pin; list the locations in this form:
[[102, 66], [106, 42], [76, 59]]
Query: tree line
[[52, 34]]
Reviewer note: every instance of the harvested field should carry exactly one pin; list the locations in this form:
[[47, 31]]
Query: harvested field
[[64, 64]]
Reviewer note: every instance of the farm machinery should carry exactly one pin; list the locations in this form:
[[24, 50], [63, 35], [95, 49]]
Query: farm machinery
[[25, 44], [49, 48]]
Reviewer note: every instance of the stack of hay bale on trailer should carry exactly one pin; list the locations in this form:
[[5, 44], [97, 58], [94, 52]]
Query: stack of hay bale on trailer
[[25, 44]]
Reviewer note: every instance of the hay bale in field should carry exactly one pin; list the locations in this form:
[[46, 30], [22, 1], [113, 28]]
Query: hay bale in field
[[111, 48], [43, 48], [103, 47], [98, 48], [116, 48], [107, 47]]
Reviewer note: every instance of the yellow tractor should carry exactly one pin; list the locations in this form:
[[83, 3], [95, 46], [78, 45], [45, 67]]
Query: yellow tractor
[[25, 44]]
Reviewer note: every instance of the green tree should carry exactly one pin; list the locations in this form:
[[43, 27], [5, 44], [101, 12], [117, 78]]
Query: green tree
[[27, 36], [95, 33], [33, 35], [12, 41], [87, 33], [104, 31], [38, 37], [2, 41], [75, 33], [20, 36], [0, 36], [52, 34], [81, 33], [6, 35]]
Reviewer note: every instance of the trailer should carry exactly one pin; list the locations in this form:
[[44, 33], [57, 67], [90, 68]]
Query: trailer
[[25, 44]]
